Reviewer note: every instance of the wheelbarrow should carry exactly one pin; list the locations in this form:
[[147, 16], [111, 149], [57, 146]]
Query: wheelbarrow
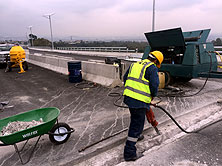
[[59, 133]]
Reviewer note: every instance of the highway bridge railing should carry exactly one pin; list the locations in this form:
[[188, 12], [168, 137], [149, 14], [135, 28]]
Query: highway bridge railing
[[99, 49]]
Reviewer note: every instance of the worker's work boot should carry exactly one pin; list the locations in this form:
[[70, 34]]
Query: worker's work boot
[[138, 155], [141, 137]]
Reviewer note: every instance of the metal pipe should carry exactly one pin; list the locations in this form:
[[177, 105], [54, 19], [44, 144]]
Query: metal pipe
[[153, 24], [88, 146]]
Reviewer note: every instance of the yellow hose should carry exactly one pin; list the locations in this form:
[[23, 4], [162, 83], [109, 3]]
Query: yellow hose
[[220, 58]]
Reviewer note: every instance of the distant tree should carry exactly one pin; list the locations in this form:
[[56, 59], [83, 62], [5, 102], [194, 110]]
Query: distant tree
[[61, 43], [42, 42], [218, 42], [131, 45]]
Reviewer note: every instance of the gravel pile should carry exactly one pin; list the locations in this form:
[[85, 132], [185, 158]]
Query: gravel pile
[[15, 126]]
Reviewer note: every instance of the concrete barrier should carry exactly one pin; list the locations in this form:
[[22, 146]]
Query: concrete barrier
[[101, 73]]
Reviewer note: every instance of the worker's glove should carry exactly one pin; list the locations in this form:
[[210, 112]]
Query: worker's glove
[[151, 118]]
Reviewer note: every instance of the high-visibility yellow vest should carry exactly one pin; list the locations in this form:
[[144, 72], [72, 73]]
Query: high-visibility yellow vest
[[136, 85]]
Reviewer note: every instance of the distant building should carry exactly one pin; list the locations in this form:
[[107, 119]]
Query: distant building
[[76, 42]]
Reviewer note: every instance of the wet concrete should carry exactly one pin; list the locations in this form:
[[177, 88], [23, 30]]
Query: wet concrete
[[90, 111]]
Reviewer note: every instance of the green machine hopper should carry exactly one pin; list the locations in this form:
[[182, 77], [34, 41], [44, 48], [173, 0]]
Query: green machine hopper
[[187, 55]]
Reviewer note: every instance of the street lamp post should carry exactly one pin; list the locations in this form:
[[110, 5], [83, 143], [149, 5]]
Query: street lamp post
[[30, 27], [153, 24], [48, 16]]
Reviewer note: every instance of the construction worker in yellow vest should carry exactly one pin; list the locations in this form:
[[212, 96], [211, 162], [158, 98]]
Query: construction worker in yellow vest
[[141, 86]]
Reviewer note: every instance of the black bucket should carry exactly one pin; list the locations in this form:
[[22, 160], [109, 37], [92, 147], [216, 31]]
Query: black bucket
[[74, 68]]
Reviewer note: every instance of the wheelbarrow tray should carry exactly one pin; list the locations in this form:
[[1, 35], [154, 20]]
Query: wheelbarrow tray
[[49, 116]]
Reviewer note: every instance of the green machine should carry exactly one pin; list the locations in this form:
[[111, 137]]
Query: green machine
[[187, 55]]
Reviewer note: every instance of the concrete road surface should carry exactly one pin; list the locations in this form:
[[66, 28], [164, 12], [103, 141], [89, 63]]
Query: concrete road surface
[[90, 111], [201, 149]]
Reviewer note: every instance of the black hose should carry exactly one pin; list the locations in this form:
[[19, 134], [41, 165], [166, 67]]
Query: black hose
[[85, 85], [168, 114], [170, 95], [116, 94], [119, 95]]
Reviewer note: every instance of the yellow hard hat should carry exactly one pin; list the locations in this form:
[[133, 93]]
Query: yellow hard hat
[[159, 56]]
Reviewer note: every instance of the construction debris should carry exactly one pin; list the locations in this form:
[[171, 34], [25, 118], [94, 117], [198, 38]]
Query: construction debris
[[4, 104], [16, 126]]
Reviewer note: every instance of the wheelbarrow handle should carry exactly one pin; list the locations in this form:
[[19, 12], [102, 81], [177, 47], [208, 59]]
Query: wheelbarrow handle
[[4, 145], [61, 134]]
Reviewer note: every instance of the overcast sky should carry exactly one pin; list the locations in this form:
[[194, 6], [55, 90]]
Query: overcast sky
[[106, 18]]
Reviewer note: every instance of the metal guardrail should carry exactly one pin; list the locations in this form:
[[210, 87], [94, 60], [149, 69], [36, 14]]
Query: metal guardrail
[[40, 47], [99, 49], [218, 49]]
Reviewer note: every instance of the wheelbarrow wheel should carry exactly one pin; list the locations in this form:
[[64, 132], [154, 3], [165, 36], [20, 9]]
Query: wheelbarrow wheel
[[59, 128]]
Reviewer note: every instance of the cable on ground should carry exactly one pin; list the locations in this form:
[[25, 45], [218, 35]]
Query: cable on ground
[[85, 85]]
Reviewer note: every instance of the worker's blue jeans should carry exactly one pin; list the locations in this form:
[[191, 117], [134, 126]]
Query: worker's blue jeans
[[135, 130]]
